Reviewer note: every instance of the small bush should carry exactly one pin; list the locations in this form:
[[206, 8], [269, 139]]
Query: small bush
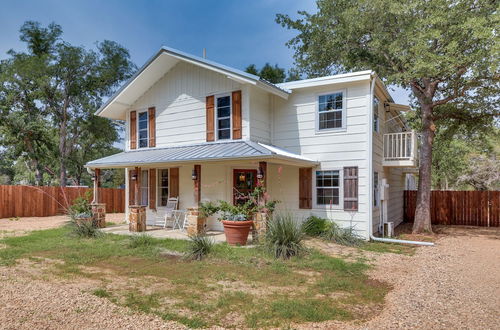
[[343, 236], [81, 207], [141, 240], [284, 236], [199, 246], [85, 229], [315, 226]]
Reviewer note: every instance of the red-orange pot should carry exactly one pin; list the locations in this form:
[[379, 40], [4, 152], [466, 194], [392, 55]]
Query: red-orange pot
[[237, 231]]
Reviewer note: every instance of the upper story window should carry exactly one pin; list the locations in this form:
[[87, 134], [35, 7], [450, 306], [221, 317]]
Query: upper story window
[[142, 132], [223, 117], [376, 122], [327, 187], [331, 111]]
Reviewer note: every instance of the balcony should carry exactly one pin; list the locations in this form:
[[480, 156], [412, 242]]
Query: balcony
[[400, 149]]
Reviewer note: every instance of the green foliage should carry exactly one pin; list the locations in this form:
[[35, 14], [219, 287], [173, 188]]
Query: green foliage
[[85, 229], [273, 74], [343, 236], [256, 201], [81, 206], [140, 241], [284, 236], [199, 246], [48, 95], [315, 226]]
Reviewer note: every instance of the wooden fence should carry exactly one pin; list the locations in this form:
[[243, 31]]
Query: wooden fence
[[467, 208], [30, 201]]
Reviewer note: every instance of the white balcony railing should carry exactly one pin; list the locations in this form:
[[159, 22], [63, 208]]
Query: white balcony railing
[[400, 149]]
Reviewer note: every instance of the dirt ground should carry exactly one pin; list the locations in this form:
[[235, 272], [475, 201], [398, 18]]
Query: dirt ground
[[453, 285]]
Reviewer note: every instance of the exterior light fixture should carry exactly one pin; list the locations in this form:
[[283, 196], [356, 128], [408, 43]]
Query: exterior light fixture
[[242, 177], [194, 175], [134, 175], [260, 173]]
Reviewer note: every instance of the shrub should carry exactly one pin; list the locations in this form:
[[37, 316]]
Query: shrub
[[141, 240], [81, 207], [85, 229], [284, 236], [343, 236], [199, 246], [315, 226]]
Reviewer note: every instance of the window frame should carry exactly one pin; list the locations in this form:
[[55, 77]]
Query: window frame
[[340, 205], [138, 129], [159, 187], [343, 128], [376, 190], [216, 117]]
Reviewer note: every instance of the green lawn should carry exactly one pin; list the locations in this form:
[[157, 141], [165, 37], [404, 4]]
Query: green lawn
[[233, 287]]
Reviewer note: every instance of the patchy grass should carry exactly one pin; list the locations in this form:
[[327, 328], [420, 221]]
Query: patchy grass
[[389, 248], [232, 287]]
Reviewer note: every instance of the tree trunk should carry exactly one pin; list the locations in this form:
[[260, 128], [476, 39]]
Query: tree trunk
[[423, 211], [62, 153]]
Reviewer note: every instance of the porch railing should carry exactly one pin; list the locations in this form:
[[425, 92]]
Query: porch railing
[[400, 146]]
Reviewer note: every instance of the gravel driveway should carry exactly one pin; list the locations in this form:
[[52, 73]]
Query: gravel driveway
[[453, 285]]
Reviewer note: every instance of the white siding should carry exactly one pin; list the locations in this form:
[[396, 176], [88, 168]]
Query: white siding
[[260, 116], [294, 126], [179, 98]]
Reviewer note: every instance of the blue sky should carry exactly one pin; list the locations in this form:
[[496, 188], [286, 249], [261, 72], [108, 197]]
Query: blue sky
[[235, 33]]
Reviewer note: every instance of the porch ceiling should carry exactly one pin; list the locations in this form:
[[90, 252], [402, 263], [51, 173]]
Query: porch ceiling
[[219, 151]]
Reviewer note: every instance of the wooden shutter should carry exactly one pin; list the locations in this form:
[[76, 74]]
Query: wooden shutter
[[152, 188], [236, 106], [174, 182], [152, 126], [210, 118], [133, 129], [305, 188], [350, 188]]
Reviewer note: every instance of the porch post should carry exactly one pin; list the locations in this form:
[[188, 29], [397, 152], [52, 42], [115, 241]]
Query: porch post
[[137, 213], [263, 172], [136, 185], [196, 223], [98, 209], [260, 218], [197, 184]]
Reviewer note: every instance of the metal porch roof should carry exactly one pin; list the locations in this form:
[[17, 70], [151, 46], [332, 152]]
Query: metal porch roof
[[199, 152]]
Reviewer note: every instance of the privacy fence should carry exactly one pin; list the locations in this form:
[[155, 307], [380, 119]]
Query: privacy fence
[[467, 208], [30, 201]]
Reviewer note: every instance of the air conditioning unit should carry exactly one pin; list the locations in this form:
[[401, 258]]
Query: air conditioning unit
[[388, 229]]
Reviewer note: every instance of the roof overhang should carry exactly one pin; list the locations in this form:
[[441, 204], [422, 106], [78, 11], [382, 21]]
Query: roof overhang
[[328, 80], [158, 65]]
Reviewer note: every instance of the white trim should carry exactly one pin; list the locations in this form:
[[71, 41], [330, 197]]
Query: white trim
[[321, 81], [340, 205], [343, 128], [216, 96]]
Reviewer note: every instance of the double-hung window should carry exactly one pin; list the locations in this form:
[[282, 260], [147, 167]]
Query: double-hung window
[[162, 187], [376, 123], [143, 129], [331, 111], [327, 187], [376, 196], [223, 117]]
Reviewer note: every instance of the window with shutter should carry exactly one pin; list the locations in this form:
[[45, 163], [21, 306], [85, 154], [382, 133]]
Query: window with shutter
[[209, 103], [237, 122], [152, 189], [152, 126], [133, 129], [174, 182], [350, 188]]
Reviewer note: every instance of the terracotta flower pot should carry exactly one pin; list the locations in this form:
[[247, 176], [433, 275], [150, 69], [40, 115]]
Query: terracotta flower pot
[[237, 231]]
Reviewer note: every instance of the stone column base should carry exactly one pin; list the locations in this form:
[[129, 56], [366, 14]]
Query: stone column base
[[196, 224], [259, 226], [99, 215], [137, 218]]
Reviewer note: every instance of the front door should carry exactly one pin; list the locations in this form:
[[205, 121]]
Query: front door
[[244, 182]]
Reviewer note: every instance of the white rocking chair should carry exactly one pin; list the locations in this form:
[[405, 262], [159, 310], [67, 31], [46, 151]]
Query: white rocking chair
[[165, 214]]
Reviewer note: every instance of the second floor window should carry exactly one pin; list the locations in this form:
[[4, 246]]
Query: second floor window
[[376, 123], [330, 111], [223, 117], [143, 129]]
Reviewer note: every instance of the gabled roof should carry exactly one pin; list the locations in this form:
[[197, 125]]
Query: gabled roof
[[203, 152], [158, 65]]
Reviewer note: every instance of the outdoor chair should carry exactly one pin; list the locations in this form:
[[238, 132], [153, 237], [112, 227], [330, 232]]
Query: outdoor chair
[[165, 214], [179, 218]]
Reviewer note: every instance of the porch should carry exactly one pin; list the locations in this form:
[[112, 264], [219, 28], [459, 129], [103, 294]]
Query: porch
[[158, 232]]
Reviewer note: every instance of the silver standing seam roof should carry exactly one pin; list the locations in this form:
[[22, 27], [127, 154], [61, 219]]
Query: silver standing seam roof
[[197, 152]]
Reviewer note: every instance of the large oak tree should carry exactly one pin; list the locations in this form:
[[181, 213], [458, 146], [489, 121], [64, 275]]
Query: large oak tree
[[445, 51]]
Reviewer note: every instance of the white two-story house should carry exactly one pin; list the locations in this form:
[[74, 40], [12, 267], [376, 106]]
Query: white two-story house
[[336, 147]]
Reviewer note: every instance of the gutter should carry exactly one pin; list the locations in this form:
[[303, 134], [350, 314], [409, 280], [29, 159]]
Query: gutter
[[370, 177]]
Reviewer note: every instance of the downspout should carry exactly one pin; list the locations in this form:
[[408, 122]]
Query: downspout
[[370, 177]]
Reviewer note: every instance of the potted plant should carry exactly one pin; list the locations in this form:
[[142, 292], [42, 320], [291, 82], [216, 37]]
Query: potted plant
[[237, 219]]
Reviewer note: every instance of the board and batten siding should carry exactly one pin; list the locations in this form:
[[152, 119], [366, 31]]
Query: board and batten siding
[[294, 129], [260, 116], [179, 97]]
